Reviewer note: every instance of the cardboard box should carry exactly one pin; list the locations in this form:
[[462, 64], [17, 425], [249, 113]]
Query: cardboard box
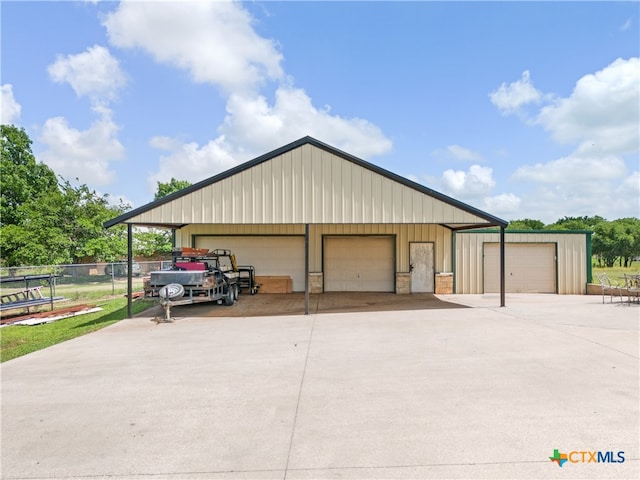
[[274, 284]]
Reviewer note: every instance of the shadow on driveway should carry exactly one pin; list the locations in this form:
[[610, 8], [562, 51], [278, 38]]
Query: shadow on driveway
[[269, 304]]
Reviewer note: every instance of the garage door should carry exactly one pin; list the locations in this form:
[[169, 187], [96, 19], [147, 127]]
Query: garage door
[[529, 267], [270, 255], [359, 264]]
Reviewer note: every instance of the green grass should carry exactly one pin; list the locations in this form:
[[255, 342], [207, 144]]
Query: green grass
[[19, 340], [94, 291], [617, 272]]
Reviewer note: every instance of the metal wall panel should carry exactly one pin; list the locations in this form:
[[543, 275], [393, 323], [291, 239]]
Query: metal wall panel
[[404, 234], [571, 262], [270, 255], [306, 185]]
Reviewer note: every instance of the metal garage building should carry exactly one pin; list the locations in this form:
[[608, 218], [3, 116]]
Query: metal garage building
[[329, 220], [540, 261]]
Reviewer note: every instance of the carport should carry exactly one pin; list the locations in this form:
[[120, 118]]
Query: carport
[[324, 218]]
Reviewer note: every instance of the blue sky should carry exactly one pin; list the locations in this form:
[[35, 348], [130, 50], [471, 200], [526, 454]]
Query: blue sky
[[525, 110]]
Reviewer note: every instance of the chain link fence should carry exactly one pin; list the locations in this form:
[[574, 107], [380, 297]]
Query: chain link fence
[[79, 283]]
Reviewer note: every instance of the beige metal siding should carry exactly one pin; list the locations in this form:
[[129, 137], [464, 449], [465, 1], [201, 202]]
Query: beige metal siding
[[306, 185], [359, 264], [270, 255], [529, 268], [571, 253], [404, 234]]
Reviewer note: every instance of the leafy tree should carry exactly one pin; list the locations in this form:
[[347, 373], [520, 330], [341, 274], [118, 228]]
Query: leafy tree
[[23, 179], [628, 242], [525, 224], [172, 186], [63, 227], [83, 213], [576, 223], [617, 240], [604, 243], [152, 242], [46, 221]]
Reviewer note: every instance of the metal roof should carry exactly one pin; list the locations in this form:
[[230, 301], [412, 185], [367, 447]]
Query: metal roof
[[307, 181]]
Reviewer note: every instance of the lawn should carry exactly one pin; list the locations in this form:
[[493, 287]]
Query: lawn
[[617, 272], [19, 340]]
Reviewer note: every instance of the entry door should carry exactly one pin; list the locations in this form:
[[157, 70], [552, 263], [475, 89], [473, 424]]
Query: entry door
[[421, 266]]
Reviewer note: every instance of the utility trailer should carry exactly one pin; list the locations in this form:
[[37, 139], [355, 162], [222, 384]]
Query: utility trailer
[[205, 276]]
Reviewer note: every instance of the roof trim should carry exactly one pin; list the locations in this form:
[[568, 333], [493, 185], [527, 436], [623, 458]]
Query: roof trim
[[291, 146], [554, 232]]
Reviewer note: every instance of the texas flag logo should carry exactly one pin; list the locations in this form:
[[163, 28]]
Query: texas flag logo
[[558, 457]]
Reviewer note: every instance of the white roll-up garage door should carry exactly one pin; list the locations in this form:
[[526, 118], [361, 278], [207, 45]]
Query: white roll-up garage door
[[359, 264], [270, 255], [529, 267]]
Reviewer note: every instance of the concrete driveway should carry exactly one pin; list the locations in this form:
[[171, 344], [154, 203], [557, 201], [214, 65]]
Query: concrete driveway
[[481, 392], [268, 304]]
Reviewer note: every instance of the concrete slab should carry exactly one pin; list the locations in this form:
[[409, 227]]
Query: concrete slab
[[480, 392], [267, 304]]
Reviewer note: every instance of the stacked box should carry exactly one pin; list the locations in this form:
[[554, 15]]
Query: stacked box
[[274, 284]]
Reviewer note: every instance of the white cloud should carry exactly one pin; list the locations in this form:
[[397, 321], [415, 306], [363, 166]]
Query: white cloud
[[258, 127], [572, 170], [94, 73], [503, 204], [610, 199], [214, 41], [461, 153], [509, 98], [625, 198], [603, 109], [9, 108], [253, 127], [85, 154], [164, 143], [188, 161], [625, 26], [473, 184], [601, 118], [628, 190]]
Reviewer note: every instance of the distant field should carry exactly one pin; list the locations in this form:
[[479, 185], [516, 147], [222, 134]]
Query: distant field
[[616, 273]]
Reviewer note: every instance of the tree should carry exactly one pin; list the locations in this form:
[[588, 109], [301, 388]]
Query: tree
[[172, 186], [46, 221], [149, 242], [576, 223], [83, 213], [23, 179], [628, 241], [152, 242], [63, 227], [525, 224], [617, 240]]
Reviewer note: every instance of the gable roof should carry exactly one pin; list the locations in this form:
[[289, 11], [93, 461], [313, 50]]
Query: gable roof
[[307, 181]]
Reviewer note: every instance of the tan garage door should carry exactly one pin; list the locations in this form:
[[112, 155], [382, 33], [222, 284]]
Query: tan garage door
[[529, 267], [359, 264], [270, 255]]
